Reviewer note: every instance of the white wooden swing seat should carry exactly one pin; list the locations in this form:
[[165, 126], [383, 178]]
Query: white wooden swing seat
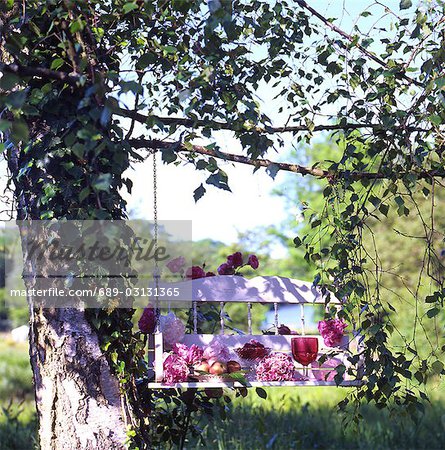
[[272, 290]]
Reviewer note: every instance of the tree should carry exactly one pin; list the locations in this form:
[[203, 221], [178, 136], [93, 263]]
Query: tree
[[399, 249], [192, 70]]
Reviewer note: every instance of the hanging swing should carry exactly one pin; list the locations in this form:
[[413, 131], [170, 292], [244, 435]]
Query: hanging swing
[[252, 360]]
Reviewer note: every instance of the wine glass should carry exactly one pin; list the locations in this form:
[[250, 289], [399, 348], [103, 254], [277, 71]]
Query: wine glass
[[304, 350]]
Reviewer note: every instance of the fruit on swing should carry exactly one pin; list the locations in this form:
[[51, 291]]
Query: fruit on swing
[[218, 368], [203, 366], [233, 366]]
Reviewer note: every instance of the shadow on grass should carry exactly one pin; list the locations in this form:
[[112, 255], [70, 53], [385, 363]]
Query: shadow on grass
[[288, 422]]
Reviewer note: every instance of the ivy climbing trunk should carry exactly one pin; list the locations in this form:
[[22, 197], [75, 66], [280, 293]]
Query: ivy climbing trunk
[[78, 399]]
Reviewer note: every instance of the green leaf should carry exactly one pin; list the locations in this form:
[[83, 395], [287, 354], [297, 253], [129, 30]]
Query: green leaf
[[261, 392], [219, 179], [77, 25], [433, 312], [238, 376], [169, 155], [5, 125], [272, 170], [297, 242], [84, 193], [57, 63], [375, 201], [405, 4], [16, 99], [102, 182], [128, 7], [8, 81], [169, 49], [435, 119], [384, 208], [19, 132], [437, 366], [199, 192], [78, 149]]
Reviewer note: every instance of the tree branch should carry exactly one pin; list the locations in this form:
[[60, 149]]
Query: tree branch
[[215, 125], [347, 36], [155, 144], [41, 72], [73, 80]]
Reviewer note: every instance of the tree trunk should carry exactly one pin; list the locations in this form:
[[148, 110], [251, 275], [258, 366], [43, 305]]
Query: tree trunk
[[78, 401], [77, 397]]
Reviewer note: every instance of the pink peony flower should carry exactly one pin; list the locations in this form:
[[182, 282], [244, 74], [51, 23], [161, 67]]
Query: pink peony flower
[[235, 260], [225, 269], [195, 272], [175, 369], [275, 367], [210, 274], [191, 355], [332, 331], [172, 328], [147, 322], [253, 262], [175, 265], [216, 351]]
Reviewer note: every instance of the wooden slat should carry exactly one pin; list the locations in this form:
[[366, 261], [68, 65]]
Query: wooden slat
[[232, 288], [275, 342], [229, 384]]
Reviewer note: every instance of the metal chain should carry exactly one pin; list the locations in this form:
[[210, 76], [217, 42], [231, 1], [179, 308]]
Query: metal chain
[[156, 273]]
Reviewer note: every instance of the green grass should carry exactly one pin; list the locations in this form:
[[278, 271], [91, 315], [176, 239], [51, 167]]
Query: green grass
[[15, 371], [298, 418], [306, 418], [17, 410]]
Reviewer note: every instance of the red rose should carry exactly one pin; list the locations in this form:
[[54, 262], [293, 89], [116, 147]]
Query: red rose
[[195, 272], [235, 260], [253, 262], [147, 322], [225, 269]]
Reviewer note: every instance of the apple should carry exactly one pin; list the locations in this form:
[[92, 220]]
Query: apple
[[203, 366], [233, 366], [218, 368]]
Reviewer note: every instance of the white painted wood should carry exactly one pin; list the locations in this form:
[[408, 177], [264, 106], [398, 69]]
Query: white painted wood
[[195, 317], [230, 384], [275, 290], [159, 357], [233, 288], [280, 343], [221, 316]]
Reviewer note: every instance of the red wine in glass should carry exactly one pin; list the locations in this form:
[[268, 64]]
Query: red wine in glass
[[304, 349]]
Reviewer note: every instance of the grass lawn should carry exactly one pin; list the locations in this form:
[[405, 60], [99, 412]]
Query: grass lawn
[[17, 413], [306, 418], [298, 418]]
